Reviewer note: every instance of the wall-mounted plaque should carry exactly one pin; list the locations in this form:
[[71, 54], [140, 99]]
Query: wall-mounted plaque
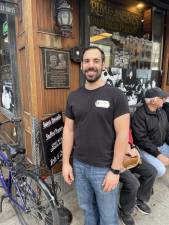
[[56, 68], [52, 129]]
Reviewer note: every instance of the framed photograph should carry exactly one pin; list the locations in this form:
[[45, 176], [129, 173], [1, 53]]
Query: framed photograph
[[6, 90], [56, 68], [121, 58], [112, 75]]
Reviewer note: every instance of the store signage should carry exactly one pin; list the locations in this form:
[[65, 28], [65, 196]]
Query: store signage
[[5, 28], [112, 18], [8, 8], [52, 129]]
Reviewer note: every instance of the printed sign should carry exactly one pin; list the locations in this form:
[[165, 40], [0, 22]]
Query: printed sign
[[8, 8], [52, 129]]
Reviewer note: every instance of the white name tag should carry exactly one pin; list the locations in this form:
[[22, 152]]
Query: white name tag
[[102, 104]]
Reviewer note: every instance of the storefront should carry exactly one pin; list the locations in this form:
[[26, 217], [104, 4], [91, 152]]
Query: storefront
[[131, 35], [9, 82], [39, 60], [36, 73]]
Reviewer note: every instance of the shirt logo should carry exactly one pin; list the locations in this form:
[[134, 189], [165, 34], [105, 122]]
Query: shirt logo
[[102, 104]]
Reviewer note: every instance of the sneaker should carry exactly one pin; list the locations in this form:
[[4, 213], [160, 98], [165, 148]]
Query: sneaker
[[127, 219], [143, 207]]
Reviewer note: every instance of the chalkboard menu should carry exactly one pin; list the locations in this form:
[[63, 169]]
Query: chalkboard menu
[[52, 128]]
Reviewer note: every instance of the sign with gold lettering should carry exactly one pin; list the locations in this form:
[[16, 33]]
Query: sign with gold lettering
[[105, 15]]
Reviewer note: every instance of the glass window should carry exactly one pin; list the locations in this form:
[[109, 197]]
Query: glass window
[[6, 87], [132, 58]]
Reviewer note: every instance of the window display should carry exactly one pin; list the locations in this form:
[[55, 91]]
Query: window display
[[6, 86], [131, 63], [133, 58]]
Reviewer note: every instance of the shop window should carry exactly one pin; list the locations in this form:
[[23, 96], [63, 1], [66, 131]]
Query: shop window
[[6, 87], [133, 51]]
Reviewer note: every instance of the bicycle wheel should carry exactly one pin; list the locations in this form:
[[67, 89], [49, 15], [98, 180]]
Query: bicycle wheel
[[32, 194]]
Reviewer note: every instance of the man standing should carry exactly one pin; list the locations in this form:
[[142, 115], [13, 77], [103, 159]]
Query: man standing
[[151, 130], [96, 129]]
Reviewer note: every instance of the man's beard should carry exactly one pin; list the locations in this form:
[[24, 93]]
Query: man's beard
[[92, 80]]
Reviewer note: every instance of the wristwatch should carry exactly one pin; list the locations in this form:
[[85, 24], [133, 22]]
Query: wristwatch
[[114, 171]]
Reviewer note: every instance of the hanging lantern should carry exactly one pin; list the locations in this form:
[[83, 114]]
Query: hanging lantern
[[64, 18]]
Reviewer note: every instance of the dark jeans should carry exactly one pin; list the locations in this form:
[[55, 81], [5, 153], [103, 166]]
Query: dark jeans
[[136, 188]]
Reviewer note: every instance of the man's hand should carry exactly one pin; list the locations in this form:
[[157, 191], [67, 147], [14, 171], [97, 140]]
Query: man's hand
[[163, 159], [110, 181], [67, 173], [133, 152]]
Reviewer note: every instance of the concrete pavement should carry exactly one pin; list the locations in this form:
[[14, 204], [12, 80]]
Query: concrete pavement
[[159, 204]]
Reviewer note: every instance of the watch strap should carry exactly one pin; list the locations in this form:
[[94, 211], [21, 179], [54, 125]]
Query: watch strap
[[114, 171]]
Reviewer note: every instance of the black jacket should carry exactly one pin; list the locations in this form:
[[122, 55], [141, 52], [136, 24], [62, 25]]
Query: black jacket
[[166, 108], [150, 129]]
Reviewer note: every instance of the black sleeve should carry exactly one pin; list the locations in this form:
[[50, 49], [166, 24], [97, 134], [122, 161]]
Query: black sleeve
[[69, 111], [140, 135], [121, 105], [167, 129], [166, 108], [167, 140]]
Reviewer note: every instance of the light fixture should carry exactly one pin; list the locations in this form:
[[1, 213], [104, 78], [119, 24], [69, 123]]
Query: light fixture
[[140, 6], [64, 18]]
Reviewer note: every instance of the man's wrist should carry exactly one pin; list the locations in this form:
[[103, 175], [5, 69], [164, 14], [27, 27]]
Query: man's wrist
[[115, 171]]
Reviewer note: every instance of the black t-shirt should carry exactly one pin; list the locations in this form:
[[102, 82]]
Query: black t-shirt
[[93, 112]]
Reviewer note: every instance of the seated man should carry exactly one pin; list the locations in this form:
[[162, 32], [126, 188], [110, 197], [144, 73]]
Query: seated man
[[151, 130], [166, 107], [135, 191]]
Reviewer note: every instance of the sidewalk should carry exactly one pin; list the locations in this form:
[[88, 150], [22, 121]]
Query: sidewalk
[[159, 204]]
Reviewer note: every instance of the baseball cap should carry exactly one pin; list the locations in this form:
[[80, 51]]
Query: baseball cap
[[156, 92]]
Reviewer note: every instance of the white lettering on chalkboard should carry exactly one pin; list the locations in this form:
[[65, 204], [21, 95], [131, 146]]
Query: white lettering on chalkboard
[[56, 144], [51, 121], [46, 124], [55, 119], [53, 133], [56, 158]]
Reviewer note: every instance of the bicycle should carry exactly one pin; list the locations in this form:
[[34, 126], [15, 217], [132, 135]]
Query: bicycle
[[30, 196]]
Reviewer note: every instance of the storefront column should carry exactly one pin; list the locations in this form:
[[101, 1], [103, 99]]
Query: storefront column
[[165, 74]]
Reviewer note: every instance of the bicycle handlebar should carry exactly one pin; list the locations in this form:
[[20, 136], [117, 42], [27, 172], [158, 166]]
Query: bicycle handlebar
[[12, 120]]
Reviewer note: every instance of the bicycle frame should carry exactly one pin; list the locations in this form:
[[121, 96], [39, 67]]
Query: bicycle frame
[[4, 159], [6, 184], [17, 183]]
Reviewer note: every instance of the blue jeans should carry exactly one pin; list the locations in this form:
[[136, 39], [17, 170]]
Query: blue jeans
[[160, 167], [100, 208]]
